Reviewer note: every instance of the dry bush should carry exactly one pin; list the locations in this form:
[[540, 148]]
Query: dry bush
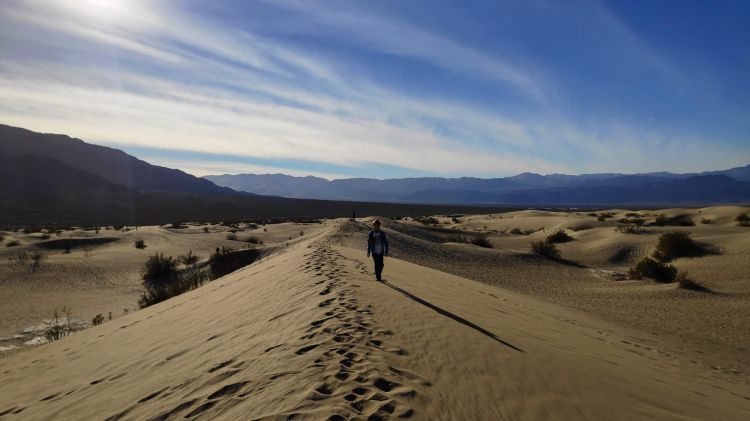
[[99, 319], [677, 244], [630, 229], [253, 240], [706, 221], [60, 328], [676, 221], [139, 243], [12, 243], [188, 259], [651, 269], [546, 249], [743, 219], [559, 237], [231, 236]]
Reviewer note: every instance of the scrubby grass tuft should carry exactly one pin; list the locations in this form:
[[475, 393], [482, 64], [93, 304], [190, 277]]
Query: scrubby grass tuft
[[98, 319], [254, 240], [12, 243], [677, 244], [546, 249], [650, 268], [188, 259], [559, 237], [630, 229], [481, 241], [676, 221], [139, 243], [231, 236], [706, 221], [743, 219]]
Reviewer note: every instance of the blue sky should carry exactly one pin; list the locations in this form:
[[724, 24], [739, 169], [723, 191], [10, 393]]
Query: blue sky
[[386, 88]]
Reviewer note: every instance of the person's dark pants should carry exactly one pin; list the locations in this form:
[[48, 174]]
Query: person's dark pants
[[378, 258]]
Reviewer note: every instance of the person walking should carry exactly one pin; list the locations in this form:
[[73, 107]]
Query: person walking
[[377, 245]]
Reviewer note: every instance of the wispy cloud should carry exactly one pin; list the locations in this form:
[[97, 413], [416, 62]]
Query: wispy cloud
[[148, 74]]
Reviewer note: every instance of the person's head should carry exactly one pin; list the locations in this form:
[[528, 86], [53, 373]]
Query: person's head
[[376, 225]]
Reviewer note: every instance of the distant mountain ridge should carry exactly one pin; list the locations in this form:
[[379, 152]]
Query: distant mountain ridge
[[109, 164], [58, 180], [710, 187]]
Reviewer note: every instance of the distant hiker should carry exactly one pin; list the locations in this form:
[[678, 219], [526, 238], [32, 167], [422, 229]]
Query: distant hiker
[[377, 245]]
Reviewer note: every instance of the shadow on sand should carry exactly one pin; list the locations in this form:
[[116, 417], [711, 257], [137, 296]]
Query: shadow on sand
[[452, 316]]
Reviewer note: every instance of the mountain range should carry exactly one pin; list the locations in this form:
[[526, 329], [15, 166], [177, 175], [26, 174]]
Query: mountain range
[[56, 179], [607, 189]]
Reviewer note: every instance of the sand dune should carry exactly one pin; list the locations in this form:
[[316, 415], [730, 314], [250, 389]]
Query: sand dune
[[307, 334]]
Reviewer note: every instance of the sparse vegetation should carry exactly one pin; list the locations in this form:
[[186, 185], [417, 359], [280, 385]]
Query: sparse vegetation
[[253, 240], [205, 230], [559, 237], [706, 221], [139, 243], [743, 219], [231, 236], [427, 220], [99, 319], [632, 221], [188, 259], [12, 243], [582, 227], [546, 249], [163, 280], [226, 260], [677, 244], [481, 241], [686, 283], [60, 328], [676, 221], [179, 225], [518, 231], [651, 269], [630, 229]]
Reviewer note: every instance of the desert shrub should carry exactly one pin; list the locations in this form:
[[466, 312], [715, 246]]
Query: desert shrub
[[37, 257], [601, 219], [481, 241], [633, 215], [633, 221], [99, 319], [546, 249], [205, 230], [252, 225], [582, 227], [188, 259], [139, 243], [231, 236], [650, 268], [301, 233], [226, 260], [677, 244], [59, 327], [630, 229], [427, 220], [559, 237], [43, 237], [20, 259], [12, 243], [519, 231], [2, 238], [706, 221], [178, 225], [743, 219], [676, 221], [159, 275], [253, 240], [593, 214]]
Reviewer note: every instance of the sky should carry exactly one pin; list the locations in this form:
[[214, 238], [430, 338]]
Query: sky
[[386, 89]]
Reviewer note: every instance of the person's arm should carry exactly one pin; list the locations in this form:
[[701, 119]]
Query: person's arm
[[369, 244], [385, 244]]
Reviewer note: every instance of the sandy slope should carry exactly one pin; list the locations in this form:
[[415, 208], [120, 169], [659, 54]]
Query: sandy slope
[[308, 333], [103, 278]]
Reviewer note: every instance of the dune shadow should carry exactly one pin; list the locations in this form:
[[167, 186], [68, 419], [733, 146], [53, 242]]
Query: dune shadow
[[450, 315]]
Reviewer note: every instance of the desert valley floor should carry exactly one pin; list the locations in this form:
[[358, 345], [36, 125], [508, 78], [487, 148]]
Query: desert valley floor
[[456, 331]]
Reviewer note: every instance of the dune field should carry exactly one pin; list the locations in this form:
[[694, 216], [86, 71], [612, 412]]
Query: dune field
[[456, 331]]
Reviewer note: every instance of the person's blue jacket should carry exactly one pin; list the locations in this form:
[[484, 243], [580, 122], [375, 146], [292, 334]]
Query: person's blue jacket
[[371, 242]]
